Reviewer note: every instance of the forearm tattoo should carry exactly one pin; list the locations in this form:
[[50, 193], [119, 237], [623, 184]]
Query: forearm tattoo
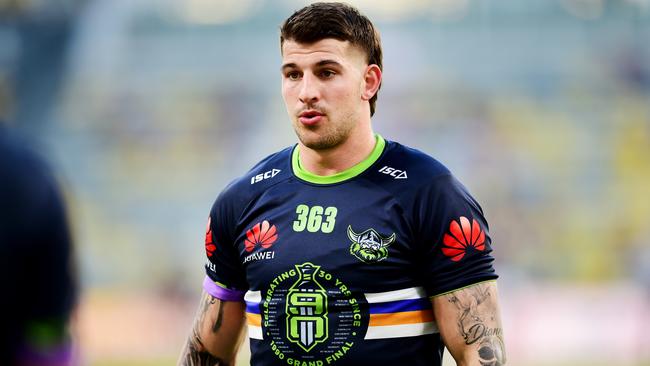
[[475, 312], [194, 353]]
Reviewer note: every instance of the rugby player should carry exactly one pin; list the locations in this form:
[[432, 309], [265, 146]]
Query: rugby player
[[347, 248]]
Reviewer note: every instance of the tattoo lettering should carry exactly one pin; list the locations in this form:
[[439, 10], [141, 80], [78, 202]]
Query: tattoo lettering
[[472, 324], [478, 331]]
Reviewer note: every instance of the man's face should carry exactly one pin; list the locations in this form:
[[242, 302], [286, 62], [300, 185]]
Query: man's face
[[322, 85]]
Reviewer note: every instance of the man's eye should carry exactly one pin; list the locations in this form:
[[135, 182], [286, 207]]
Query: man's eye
[[327, 73], [293, 75]]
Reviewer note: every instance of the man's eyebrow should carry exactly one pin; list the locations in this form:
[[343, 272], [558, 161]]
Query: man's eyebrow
[[327, 63], [290, 65], [321, 63]]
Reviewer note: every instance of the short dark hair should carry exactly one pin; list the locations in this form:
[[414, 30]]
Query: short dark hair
[[341, 21]]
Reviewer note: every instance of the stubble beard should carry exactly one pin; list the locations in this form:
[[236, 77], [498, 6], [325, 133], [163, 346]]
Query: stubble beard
[[329, 136]]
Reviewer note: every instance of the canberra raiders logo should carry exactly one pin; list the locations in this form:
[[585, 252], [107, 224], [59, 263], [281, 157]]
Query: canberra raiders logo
[[369, 246]]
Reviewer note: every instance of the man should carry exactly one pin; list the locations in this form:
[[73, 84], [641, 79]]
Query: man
[[346, 249], [38, 283]]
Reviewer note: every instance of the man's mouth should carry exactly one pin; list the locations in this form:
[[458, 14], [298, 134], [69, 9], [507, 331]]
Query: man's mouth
[[310, 117]]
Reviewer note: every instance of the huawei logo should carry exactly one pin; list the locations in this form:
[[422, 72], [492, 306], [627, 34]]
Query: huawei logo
[[463, 235], [263, 234], [209, 244]]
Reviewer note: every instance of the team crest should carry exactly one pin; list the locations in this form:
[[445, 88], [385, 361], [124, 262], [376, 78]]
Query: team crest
[[369, 246]]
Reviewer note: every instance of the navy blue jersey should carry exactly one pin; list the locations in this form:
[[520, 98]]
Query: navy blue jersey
[[340, 269]]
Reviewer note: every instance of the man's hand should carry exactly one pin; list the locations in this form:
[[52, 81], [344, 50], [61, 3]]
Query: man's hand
[[216, 334], [470, 325]]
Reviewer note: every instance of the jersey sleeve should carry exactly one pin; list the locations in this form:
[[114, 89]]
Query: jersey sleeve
[[225, 278], [455, 245]]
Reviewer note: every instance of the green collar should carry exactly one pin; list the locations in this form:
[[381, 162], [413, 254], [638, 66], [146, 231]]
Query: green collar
[[349, 173]]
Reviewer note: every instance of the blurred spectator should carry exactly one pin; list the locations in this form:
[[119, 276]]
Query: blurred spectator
[[36, 277]]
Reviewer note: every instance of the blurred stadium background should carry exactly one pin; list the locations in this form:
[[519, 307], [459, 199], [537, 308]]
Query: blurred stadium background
[[542, 107]]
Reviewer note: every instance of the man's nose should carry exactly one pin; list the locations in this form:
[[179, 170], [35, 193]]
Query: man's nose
[[309, 90]]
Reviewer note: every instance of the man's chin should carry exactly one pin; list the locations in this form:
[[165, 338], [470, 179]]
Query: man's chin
[[317, 142]]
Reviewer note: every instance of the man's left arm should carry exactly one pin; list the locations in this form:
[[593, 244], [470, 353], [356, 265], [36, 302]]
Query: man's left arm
[[470, 324]]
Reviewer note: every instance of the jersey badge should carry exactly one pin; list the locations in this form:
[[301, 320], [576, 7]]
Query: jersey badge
[[369, 246], [395, 173], [209, 243], [266, 175], [463, 236], [261, 234]]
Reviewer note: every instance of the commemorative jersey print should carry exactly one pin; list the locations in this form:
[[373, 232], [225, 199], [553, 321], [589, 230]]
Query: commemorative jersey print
[[306, 309], [463, 236], [341, 272], [308, 315]]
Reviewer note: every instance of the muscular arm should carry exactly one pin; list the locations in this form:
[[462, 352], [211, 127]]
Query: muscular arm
[[470, 325], [216, 333]]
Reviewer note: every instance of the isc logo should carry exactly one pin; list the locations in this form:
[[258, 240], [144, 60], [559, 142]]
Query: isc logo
[[265, 175], [395, 173]]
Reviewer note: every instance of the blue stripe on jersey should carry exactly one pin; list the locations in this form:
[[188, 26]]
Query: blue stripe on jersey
[[253, 307], [399, 306]]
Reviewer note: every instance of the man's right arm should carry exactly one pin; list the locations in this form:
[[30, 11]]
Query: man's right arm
[[216, 334]]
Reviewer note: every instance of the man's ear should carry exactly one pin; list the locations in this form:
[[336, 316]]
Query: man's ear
[[372, 79]]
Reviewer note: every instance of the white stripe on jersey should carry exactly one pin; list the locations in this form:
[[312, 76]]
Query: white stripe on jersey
[[403, 294], [253, 296], [404, 330]]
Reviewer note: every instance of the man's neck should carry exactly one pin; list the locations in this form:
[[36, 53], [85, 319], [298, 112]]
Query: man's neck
[[340, 158]]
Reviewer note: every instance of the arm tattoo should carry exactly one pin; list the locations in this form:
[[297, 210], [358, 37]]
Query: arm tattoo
[[470, 315], [471, 321], [217, 323], [194, 353], [192, 357]]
